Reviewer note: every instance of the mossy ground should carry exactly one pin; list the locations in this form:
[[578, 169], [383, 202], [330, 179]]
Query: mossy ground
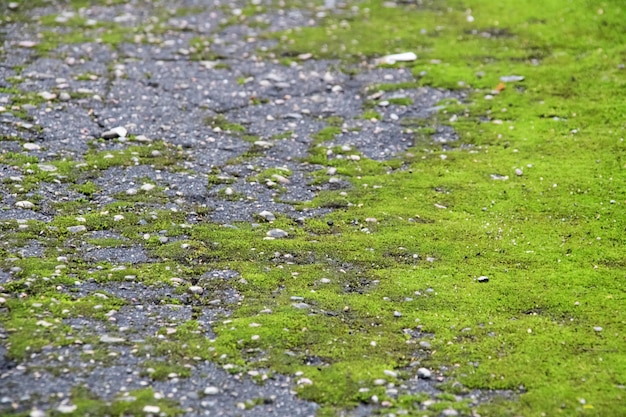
[[412, 236], [550, 239]]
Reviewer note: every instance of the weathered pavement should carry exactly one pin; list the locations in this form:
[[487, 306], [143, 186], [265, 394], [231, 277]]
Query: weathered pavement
[[215, 129]]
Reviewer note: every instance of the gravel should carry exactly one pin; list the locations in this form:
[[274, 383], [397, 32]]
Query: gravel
[[95, 98]]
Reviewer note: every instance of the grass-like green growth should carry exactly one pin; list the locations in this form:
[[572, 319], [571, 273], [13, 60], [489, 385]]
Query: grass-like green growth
[[401, 101], [326, 134], [531, 198], [532, 201], [371, 114], [223, 124], [131, 404]]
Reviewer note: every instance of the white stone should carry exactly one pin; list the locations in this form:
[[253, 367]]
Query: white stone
[[211, 390], [24, 204], [281, 179], [267, 215], [424, 373], [151, 409], [46, 167], [111, 339], [66, 408], [392, 59], [196, 289], [277, 233], [47, 95], [31, 146], [263, 144]]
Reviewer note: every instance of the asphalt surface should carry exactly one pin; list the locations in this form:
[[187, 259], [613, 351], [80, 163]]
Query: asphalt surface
[[158, 87]]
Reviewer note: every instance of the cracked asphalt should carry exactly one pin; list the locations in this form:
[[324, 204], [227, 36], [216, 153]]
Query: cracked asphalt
[[229, 112]]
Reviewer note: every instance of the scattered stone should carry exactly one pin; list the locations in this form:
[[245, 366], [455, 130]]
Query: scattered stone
[[301, 306], [64, 96], [597, 328], [519, 172], [111, 339], [276, 233], [27, 44], [148, 187], [116, 132], [46, 95], [511, 78], [77, 229], [498, 177], [211, 390], [281, 179], [449, 412], [304, 381], [425, 344], [66, 408], [263, 144], [31, 146], [195, 289], [267, 215], [482, 279], [392, 59], [390, 373], [151, 409], [397, 314], [132, 191], [423, 373], [24, 204], [325, 281], [46, 167], [37, 413]]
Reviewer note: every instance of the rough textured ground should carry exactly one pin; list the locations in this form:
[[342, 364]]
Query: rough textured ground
[[232, 208], [223, 134]]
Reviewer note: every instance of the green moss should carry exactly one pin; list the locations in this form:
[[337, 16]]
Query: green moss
[[531, 234], [326, 134], [407, 85], [411, 235], [88, 188], [371, 114], [161, 371], [401, 101], [284, 135], [131, 404], [220, 122]]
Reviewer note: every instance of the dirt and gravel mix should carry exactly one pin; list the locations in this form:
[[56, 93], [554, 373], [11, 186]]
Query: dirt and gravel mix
[[228, 128]]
